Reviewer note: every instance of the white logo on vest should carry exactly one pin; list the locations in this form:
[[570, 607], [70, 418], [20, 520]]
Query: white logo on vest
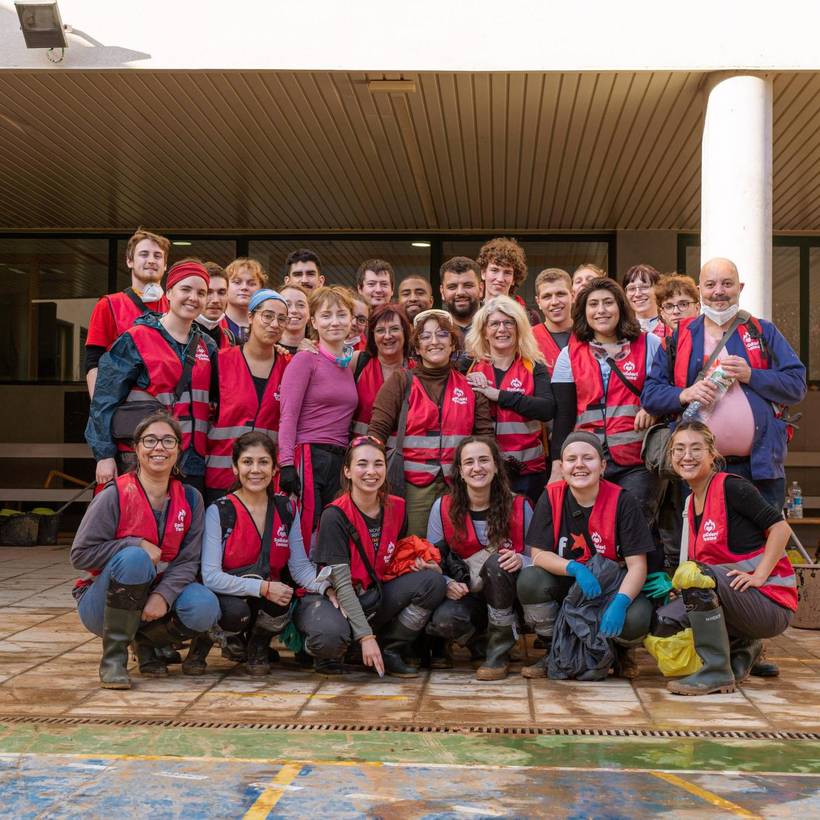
[[710, 530], [458, 396]]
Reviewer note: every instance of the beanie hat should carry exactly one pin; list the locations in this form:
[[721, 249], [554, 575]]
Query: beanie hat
[[585, 438], [262, 295], [182, 270]]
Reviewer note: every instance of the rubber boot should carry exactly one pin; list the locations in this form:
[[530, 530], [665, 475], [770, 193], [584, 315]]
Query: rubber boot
[[121, 620], [160, 633], [496, 664], [712, 646], [441, 653], [169, 654], [150, 664], [626, 665], [262, 632], [763, 668], [395, 640], [196, 662], [539, 668], [744, 655]]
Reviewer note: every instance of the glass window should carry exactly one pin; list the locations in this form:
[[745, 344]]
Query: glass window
[[341, 258], [48, 288], [786, 293], [814, 314]]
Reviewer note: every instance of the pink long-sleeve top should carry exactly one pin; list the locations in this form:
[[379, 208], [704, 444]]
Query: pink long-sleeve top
[[317, 406]]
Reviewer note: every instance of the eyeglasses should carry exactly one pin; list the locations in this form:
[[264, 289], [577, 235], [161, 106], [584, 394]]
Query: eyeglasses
[[441, 335], [359, 440], [677, 307], [268, 317], [679, 451], [507, 324], [361, 319], [151, 442], [638, 287]]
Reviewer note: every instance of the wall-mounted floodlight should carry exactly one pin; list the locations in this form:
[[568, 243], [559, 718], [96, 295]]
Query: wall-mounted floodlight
[[42, 25]]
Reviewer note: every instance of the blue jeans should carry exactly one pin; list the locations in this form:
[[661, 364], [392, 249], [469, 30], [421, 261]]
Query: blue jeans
[[196, 606]]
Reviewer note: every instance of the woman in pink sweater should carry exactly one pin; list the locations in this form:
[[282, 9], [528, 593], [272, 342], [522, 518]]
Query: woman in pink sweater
[[318, 401]]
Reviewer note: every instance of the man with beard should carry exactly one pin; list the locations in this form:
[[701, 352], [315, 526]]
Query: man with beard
[[303, 268], [146, 256], [212, 320], [461, 291], [415, 295]]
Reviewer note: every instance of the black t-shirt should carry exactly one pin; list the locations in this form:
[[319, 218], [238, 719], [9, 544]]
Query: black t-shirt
[[259, 384], [333, 540], [631, 530], [561, 338], [292, 349], [749, 515]]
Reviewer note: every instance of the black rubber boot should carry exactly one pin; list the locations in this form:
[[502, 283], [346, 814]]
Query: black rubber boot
[[711, 643], [121, 620], [626, 665], [328, 666], [744, 655], [395, 640], [150, 664], [264, 628], [160, 633], [195, 662], [539, 668], [496, 666], [235, 648], [168, 654]]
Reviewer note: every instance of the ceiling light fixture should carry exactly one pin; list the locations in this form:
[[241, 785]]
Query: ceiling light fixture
[[42, 25], [182, 243], [392, 86], [420, 244]]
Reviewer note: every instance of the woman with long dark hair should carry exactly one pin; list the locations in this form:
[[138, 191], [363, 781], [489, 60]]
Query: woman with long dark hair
[[357, 539], [140, 539], [481, 523], [253, 555]]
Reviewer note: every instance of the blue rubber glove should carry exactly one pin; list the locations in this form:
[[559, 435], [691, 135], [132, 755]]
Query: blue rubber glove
[[585, 579], [614, 615], [658, 585]]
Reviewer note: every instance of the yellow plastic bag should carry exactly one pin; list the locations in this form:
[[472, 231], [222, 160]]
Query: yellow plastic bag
[[675, 655], [689, 576]]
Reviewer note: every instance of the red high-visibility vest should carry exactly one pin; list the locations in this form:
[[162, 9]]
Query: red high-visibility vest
[[518, 437], [547, 345], [164, 372], [392, 521], [466, 544], [125, 311], [602, 518], [434, 431], [710, 545], [240, 411], [612, 416]]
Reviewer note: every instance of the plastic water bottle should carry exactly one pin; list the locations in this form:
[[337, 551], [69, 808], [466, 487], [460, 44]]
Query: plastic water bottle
[[797, 501], [722, 381]]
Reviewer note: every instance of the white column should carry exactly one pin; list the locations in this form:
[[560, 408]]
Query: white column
[[736, 183]]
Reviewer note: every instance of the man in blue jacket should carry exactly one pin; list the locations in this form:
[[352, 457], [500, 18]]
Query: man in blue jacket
[[767, 375]]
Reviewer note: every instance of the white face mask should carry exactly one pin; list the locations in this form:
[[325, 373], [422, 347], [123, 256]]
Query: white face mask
[[721, 317], [203, 320], [152, 293]]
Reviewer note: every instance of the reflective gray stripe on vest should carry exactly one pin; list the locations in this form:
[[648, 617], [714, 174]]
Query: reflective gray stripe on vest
[[422, 442], [589, 417], [200, 425], [630, 437], [517, 427], [222, 433], [139, 395], [219, 462], [360, 428], [452, 441], [421, 467], [622, 411], [185, 425], [529, 454], [201, 395], [751, 564]]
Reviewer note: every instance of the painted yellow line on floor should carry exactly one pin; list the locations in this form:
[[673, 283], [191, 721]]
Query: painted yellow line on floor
[[271, 796], [704, 794]]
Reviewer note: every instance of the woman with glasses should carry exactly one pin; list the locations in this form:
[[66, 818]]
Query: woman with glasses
[[140, 539], [509, 370], [357, 539], [639, 286], [678, 298], [318, 401], [387, 351], [359, 326], [253, 555], [737, 584], [248, 384], [293, 336], [442, 409]]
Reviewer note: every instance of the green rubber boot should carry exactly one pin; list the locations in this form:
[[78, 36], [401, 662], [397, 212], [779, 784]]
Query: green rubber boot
[[121, 620], [496, 666], [395, 640], [712, 646], [744, 655]]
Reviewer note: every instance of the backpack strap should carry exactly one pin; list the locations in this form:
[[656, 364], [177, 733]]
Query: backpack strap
[[284, 507], [227, 516]]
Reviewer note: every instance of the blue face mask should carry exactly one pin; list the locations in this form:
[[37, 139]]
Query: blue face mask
[[344, 360]]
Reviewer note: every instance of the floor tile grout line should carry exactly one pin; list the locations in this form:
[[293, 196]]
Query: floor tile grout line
[[32, 626], [644, 707], [319, 684], [48, 660], [222, 675], [39, 592], [422, 693]]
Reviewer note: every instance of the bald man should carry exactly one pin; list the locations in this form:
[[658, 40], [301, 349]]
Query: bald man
[[768, 376]]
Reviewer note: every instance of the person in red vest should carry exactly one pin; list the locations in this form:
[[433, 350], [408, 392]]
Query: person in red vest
[[678, 300], [146, 366], [253, 555], [248, 389], [212, 320], [146, 256], [508, 369], [482, 523], [639, 285], [140, 539], [442, 410], [576, 518], [597, 385], [358, 533], [737, 584], [388, 350], [553, 295], [503, 267]]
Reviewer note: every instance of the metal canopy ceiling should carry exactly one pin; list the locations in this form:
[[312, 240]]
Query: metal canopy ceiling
[[284, 151]]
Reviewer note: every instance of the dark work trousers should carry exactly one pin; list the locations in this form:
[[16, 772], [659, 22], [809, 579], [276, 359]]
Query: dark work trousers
[[327, 463], [531, 485], [460, 620], [327, 632], [670, 522], [239, 614]]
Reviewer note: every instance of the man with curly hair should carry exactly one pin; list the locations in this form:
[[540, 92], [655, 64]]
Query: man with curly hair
[[503, 266]]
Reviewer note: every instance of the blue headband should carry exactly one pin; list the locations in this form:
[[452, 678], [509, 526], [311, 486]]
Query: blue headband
[[263, 295]]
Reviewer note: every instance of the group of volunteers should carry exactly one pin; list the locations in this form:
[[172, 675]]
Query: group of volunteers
[[377, 481]]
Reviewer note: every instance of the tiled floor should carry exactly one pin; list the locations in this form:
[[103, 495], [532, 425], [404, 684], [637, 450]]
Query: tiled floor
[[48, 666]]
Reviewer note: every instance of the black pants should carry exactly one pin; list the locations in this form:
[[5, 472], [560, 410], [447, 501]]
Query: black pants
[[327, 475], [530, 485], [459, 620], [638, 481], [239, 614], [327, 632]]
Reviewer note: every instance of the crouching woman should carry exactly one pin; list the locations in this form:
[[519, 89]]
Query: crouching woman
[[253, 554], [481, 523], [141, 538], [357, 538], [573, 520], [737, 585]]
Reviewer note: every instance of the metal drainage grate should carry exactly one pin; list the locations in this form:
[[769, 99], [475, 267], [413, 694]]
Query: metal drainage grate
[[455, 728]]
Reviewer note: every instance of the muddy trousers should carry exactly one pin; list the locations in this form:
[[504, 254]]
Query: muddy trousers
[[411, 598], [541, 594], [239, 614], [494, 604]]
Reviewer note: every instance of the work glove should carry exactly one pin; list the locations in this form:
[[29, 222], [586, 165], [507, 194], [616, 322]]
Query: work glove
[[612, 623], [658, 585], [289, 480], [585, 579]]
